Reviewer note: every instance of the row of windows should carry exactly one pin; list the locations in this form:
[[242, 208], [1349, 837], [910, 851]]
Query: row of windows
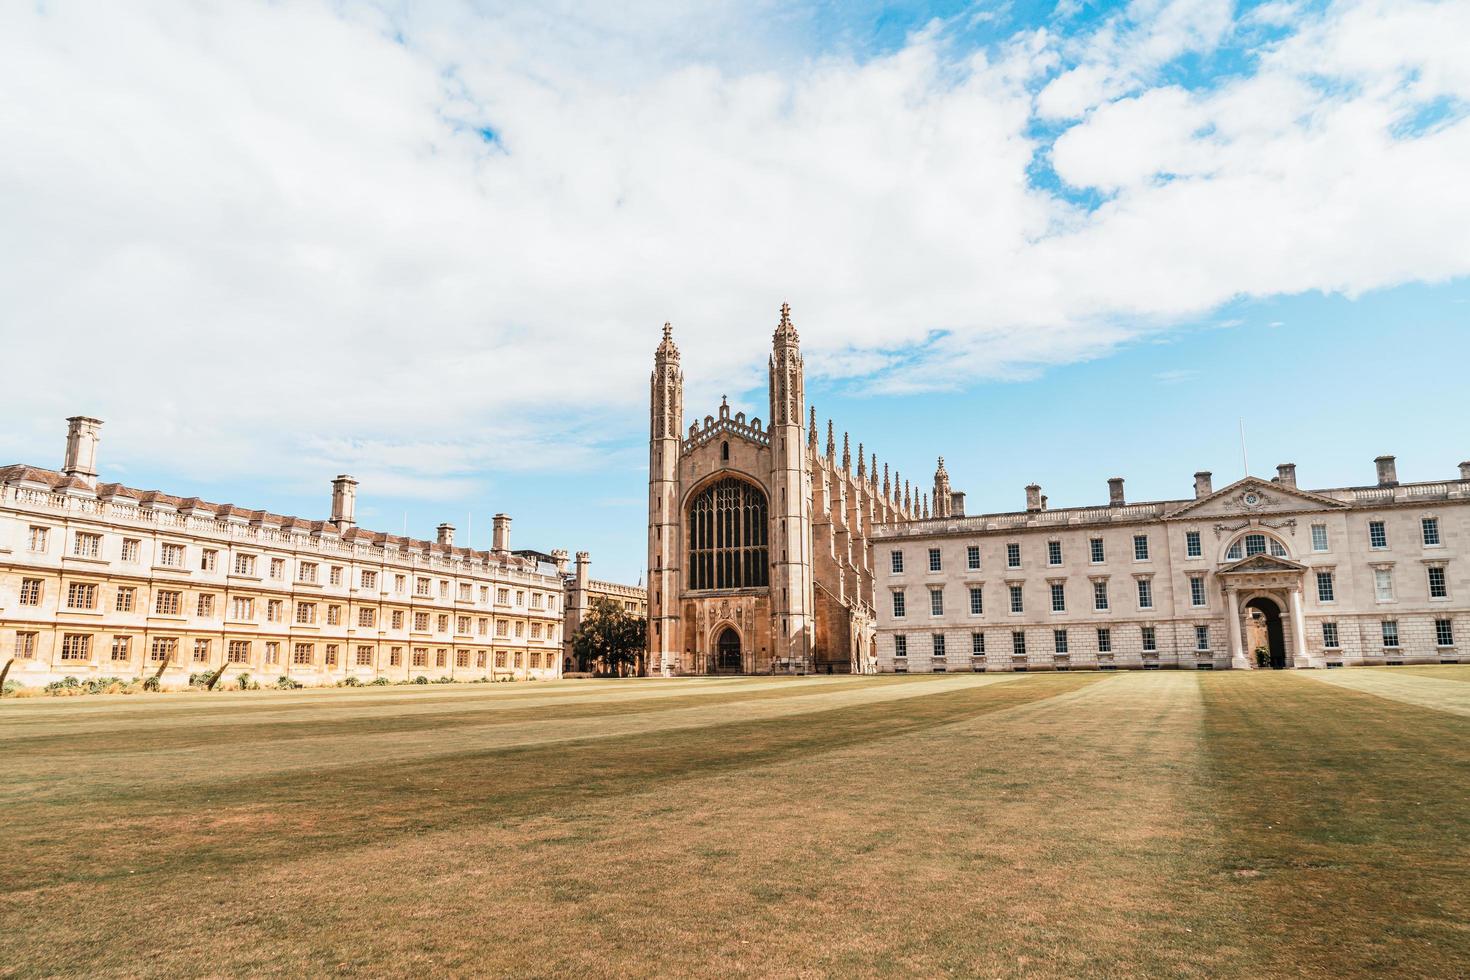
[[1061, 642], [1247, 546], [1097, 553], [1017, 600], [1198, 596], [1444, 636], [89, 545], [170, 602], [77, 647]]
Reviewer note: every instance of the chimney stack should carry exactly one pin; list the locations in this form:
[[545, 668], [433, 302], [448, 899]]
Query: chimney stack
[[81, 448], [1465, 470], [1388, 475], [344, 502], [1286, 474], [1033, 498], [1203, 484], [957, 502], [1115, 492], [446, 535], [500, 542]]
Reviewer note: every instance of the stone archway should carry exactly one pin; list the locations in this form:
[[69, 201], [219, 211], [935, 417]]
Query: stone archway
[[729, 658], [1265, 630]]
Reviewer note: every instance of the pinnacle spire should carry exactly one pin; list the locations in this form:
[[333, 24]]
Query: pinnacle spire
[[862, 462], [785, 330], [846, 453], [811, 438], [666, 347], [831, 440]]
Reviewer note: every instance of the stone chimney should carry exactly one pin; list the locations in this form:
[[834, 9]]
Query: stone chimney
[[1033, 498], [1465, 470], [1388, 474], [446, 535], [1286, 474], [344, 502], [500, 541], [957, 502], [1203, 484], [81, 448], [1115, 492]]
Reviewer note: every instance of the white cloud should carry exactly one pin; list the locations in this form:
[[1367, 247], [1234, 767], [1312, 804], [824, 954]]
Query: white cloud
[[270, 237]]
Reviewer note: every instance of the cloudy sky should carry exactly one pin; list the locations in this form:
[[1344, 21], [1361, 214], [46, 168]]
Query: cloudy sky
[[432, 244]]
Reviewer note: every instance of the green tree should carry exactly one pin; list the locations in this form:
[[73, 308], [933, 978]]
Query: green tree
[[609, 638]]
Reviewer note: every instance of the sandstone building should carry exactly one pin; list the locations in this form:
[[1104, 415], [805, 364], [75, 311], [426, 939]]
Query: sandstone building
[[97, 579], [758, 541], [1376, 574]]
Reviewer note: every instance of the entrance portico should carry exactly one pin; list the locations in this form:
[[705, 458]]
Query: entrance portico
[[1255, 581]]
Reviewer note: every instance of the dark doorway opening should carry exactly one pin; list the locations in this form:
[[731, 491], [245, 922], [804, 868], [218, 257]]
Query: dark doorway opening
[[727, 650], [1266, 611]]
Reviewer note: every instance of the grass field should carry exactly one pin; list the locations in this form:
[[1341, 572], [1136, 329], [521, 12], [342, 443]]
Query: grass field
[[1078, 824]]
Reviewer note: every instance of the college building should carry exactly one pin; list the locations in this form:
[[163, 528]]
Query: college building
[[1260, 573], [98, 580], [758, 541]]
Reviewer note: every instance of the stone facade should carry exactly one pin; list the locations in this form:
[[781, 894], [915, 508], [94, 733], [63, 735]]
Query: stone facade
[[1376, 574], [758, 550], [97, 579]]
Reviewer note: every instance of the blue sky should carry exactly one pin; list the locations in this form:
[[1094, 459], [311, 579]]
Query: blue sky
[[1051, 241]]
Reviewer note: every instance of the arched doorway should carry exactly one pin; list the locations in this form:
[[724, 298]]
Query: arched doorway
[[727, 650], [1266, 630]]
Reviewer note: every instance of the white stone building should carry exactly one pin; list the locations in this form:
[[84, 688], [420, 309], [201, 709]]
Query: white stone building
[[97, 580], [1374, 574]]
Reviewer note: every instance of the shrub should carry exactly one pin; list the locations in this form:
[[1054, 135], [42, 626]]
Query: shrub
[[64, 686], [379, 682], [444, 680], [246, 684], [285, 683], [421, 679], [199, 680], [349, 682], [104, 685]]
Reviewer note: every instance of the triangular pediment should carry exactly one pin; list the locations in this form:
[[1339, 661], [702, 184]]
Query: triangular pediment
[[1262, 563], [1251, 496]]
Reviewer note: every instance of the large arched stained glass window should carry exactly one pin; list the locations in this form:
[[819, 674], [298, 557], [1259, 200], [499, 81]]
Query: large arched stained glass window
[[728, 533]]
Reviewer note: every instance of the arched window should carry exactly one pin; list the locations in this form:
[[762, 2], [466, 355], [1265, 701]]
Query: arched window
[[728, 533], [1255, 543], [725, 452]]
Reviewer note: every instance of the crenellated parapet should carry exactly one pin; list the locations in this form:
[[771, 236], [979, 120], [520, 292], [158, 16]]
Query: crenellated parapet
[[701, 433]]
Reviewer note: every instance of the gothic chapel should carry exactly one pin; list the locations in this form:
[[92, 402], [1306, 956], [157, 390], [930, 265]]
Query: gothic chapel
[[758, 549]]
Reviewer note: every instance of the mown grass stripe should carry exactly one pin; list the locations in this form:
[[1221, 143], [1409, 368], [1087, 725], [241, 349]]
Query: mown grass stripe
[[1346, 825], [1434, 693], [211, 827], [126, 733]]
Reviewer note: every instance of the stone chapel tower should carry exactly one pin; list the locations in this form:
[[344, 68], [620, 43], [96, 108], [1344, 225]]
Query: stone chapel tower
[[758, 551], [792, 587], [667, 423]]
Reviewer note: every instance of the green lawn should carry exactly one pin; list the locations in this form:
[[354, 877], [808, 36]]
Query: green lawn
[[1078, 824]]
